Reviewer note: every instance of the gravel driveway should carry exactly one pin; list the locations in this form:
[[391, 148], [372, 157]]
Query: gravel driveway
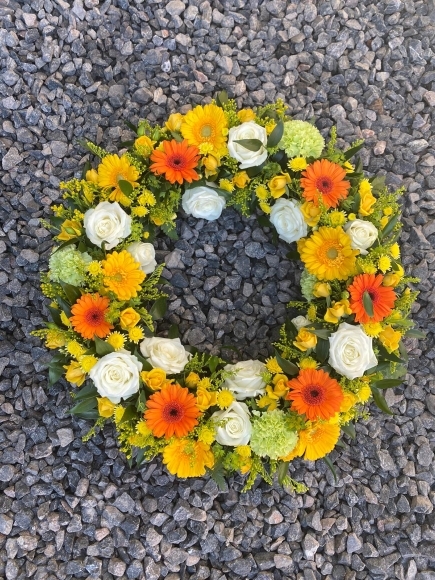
[[80, 69]]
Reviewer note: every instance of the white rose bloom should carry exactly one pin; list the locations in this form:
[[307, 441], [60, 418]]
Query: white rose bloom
[[203, 202], [237, 429], [165, 353], [288, 220], [145, 254], [245, 157], [362, 233], [247, 382], [116, 375], [351, 351], [107, 222], [300, 321]]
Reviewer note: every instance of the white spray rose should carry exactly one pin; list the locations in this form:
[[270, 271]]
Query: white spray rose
[[351, 351], [288, 220], [116, 375], [247, 381], [165, 353], [244, 156], [237, 429], [363, 235], [203, 202], [107, 222], [300, 321], [145, 254]]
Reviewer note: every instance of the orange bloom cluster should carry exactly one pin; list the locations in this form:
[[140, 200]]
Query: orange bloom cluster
[[382, 298], [326, 179]]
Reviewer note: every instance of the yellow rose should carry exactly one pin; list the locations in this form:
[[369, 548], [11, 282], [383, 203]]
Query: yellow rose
[[69, 229], [144, 141], [390, 338], [92, 176], [241, 179], [281, 385], [54, 339], [305, 340], [105, 407], [246, 115], [75, 374], [278, 184], [337, 310], [128, 318], [368, 200], [349, 400], [311, 213], [192, 380], [391, 279], [174, 122], [205, 399], [322, 290], [154, 379], [211, 164]]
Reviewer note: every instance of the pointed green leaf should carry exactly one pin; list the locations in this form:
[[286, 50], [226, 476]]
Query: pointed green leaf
[[349, 429], [158, 309], [352, 151], [253, 171], [322, 350], [173, 332], [329, 463], [87, 392], [387, 383], [415, 333], [222, 98], [126, 187], [378, 183], [389, 356], [288, 367], [283, 471], [368, 303], [389, 227], [356, 202], [102, 347], [55, 372], [380, 401], [55, 315], [64, 305], [275, 136], [71, 292], [84, 406], [250, 144], [146, 366]]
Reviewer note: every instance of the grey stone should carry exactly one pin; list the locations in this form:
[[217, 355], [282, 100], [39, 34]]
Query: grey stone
[[11, 159], [175, 7], [6, 524], [65, 436]]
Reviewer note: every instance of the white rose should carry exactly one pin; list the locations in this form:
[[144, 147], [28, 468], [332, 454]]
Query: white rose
[[116, 375], [203, 202], [107, 222], [247, 382], [165, 353], [300, 321], [145, 254], [362, 233], [237, 429], [288, 220], [351, 351], [247, 158]]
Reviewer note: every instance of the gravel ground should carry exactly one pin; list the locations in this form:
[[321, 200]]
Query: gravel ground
[[73, 510]]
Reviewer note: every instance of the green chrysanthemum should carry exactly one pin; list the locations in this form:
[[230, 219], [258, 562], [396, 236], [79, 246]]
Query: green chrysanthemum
[[301, 139], [308, 281], [69, 265], [271, 436]]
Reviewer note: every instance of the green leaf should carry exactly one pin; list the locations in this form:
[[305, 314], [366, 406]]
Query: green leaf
[[352, 151], [275, 136], [218, 475], [378, 182], [415, 333], [146, 366], [349, 429], [388, 355], [158, 309], [264, 221], [131, 126], [130, 413], [329, 463], [380, 401], [288, 367], [380, 368], [102, 347], [84, 407], [173, 332], [140, 457], [55, 372], [253, 171], [356, 202], [389, 227], [72, 292], [64, 305], [250, 144], [87, 392], [403, 352], [213, 362], [293, 255], [141, 400], [387, 383], [170, 231], [222, 98], [368, 303], [322, 350], [126, 187], [86, 168], [321, 332], [283, 471], [55, 315]]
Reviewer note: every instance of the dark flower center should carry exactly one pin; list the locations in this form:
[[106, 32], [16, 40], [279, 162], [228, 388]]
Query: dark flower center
[[314, 395], [324, 185], [176, 162], [94, 316], [173, 412]]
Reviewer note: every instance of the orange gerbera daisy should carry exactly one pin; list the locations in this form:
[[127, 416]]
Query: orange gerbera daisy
[[89, 316], [171, 411], [177, 161], [326, 179], [382, 298], [315, 394]]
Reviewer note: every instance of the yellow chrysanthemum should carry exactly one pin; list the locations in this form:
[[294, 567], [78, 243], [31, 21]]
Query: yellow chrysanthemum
[[95, 268], [116, 340], [206, 126], [204, 383], [122, 275], [265, 207], [328, 254], [337, 218], [135, 334], [75, 349], [87, 361], [114, 169], [139, 211], [372, 328], [307, 363], [262, 192], [384, 264], [395, 251], [298, 164], [312, 312], [143, 429], [118, 414], [147, 198], [187, 458], [206, 435], [273, 366], [243, 451], [226, 185], [364, 394], [348, 167], [224, 398]]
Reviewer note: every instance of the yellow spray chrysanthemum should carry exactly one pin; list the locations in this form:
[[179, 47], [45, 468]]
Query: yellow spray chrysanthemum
[[206, 128], [262, 192], [187, 458], [75, 349], [136, 334], [143, 429], [243, 451], [372, 328], [118, 414], [114, 169], [337, 218], [307, 363], [273, 366], [226, 185], [116, 340], [224, 399], [204, 383], [147, 198], [364, 394], [122, 275], [206, 435], [265, 207], [95, 268], [384, 264], [87, 362], [348, 167], [395, 251], [139, 211], [298, 164], [328, 254]]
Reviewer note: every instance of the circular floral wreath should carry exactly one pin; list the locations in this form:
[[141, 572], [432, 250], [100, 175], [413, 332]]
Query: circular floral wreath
[[195, 410]]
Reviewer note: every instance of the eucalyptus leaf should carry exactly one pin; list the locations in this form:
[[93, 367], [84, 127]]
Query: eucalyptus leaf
[[387, 383], [102, 347], [275, 136], [288, 367], [222, 98], [126, 187], [415, 333], [380, 401], [250, 144], [368, 304], [283, 471]]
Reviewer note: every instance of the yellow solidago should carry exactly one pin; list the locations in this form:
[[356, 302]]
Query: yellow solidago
[[226, 185], [384, 264], [270, 126], [298, 164], [224, 399], [87, 362], [273, 366], [312, 312], [307, 363], [116, 340], [135, 334]]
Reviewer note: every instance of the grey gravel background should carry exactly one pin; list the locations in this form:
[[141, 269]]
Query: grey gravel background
[[76, 69]]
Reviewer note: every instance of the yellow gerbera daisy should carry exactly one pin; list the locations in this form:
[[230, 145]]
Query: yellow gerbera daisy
[[206, 128], [122, 275], [328, 254], [318, 440], [186, 458], [114, 169]]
